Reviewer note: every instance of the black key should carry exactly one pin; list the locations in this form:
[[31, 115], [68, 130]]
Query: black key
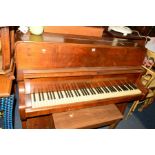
[[51, 95], [105, 89], [129, 86], [76, 89], [42, 96], [84, 90], [58, 94], [118, 88], [110, 90], [48, 96], [34, 97], [126, 87], [87, 91], [73, 90], [97, 90], [61, 94], [115, 90], [66, 93], [39, 96], [83, 93], [78, 93], [100, 90], [81, 90], [71, 93], [133, 86], [109, 87], [57, 91], [123, 87], [88, 84], [87, 88], [90, 91]]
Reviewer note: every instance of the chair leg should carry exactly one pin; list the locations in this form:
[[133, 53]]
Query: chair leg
[[132, 109], [146, 104]]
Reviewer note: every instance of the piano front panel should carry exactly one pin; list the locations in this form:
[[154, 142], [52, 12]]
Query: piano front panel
[[32, 55]]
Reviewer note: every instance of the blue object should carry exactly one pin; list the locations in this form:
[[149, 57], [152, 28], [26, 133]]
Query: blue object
[[6, 105]]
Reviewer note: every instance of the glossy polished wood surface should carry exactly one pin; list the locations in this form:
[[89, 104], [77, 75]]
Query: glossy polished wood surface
[[75, 30], [5, 43], [87, 118], [6, 61], [5, 85], [75, 53], [46, 60]]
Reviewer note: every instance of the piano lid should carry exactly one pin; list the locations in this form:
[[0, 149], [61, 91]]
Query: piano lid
[[62, 38]]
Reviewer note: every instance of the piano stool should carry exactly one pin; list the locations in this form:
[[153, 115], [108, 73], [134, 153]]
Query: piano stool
[[88, 118], [6, 112]]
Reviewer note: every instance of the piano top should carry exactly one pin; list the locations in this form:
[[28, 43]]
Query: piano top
[[62, 38]]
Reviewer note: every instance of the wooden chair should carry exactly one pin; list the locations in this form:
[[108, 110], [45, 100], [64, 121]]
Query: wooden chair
[[148, 80], [6, 60]]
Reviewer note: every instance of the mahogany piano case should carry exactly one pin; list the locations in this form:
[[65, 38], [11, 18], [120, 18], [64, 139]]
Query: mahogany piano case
[[59, 74]]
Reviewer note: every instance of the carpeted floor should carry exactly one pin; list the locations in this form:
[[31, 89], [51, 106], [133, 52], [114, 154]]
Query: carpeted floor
[[139, 120]]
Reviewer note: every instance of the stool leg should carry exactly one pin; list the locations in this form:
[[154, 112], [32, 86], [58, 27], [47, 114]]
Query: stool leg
[[132, 109], [113, 125]]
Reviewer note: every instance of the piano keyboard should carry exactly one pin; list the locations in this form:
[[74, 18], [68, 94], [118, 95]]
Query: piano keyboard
[[53, 98]]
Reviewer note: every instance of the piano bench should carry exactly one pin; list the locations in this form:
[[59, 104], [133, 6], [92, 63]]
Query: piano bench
[[87, 118]]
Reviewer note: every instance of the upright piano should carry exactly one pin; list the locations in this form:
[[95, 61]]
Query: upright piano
[[61, 73]]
